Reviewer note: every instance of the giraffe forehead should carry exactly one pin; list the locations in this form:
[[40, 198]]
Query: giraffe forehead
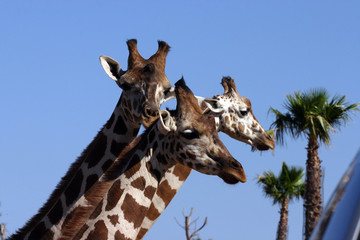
[[202, 123], [229, 104], [140, 73]]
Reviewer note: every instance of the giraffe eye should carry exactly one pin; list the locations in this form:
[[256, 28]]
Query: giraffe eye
[[190, 134], [244, 112], [125, 86], [167, 91]]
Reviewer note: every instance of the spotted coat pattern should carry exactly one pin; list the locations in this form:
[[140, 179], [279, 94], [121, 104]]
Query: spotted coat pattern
[[189, 138], [233, 116]]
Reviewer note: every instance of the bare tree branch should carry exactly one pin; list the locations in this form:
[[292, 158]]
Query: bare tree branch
[[188, 224], [183, 227], [198, 230]]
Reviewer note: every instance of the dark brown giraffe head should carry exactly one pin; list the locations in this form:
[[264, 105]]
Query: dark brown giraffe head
[[144, 84], [194, 141]]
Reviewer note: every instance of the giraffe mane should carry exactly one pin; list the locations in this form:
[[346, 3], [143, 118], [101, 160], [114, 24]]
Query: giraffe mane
[[97, 192]]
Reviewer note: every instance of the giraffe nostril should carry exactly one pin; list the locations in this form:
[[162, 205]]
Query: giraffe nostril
[[236, 164], [151, 112]]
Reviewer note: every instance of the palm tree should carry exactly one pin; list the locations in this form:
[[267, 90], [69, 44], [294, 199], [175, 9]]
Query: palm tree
[[313, 115], [282, 189]]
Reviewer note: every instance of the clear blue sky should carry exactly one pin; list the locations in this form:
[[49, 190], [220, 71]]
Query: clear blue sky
[[54, 95]]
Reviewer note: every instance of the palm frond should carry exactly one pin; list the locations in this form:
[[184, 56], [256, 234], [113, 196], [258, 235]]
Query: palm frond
[[288, 184], [312, 113]]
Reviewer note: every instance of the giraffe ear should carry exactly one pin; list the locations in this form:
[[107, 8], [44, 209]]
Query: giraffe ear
[[165, 123], [111, 67], [212, 105]]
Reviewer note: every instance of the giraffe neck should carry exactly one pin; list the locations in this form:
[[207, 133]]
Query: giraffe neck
[[174, 179], [115, 135], [126, 197]]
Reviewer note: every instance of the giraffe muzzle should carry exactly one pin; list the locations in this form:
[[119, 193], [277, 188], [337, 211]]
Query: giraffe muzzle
[[149, 116], [231, 171], [234, 173], [264, 142]]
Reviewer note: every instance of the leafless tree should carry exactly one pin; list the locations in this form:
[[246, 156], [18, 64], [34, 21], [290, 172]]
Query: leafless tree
[[191, 225]]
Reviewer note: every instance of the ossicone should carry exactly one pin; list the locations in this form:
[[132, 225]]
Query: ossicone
[[134, 54], [229, 85]]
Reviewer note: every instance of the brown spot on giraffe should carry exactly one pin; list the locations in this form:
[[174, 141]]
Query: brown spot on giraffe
[[152, 213], [135, 161], [227, 120], [142, 233], [139, 183], [149, 192], [241, 127], [114, 219], [114, 195], [133, 212], [181, 171], [100, 231], [120, 236], [167, 192]]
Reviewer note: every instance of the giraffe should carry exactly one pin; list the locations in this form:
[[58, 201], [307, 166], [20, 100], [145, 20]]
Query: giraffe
[[144, 88], [233, 116], [122, 196]]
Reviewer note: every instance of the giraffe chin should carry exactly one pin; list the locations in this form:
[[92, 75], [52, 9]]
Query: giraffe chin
[[232, 176]]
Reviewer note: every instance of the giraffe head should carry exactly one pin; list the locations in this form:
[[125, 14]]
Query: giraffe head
[[236, 117], [194, 141], [144, 84]]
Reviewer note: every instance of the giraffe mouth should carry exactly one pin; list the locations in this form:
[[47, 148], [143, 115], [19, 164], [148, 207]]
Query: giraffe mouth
[[231, 171], [147, 121], [263, 143], [233, 176]]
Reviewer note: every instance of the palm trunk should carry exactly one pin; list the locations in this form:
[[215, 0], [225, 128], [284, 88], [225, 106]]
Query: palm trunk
[[312, 199], [283, 223]]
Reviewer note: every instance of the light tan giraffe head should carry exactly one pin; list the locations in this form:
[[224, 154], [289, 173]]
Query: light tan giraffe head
[[144, 84], [236, 118], [194, 141]]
